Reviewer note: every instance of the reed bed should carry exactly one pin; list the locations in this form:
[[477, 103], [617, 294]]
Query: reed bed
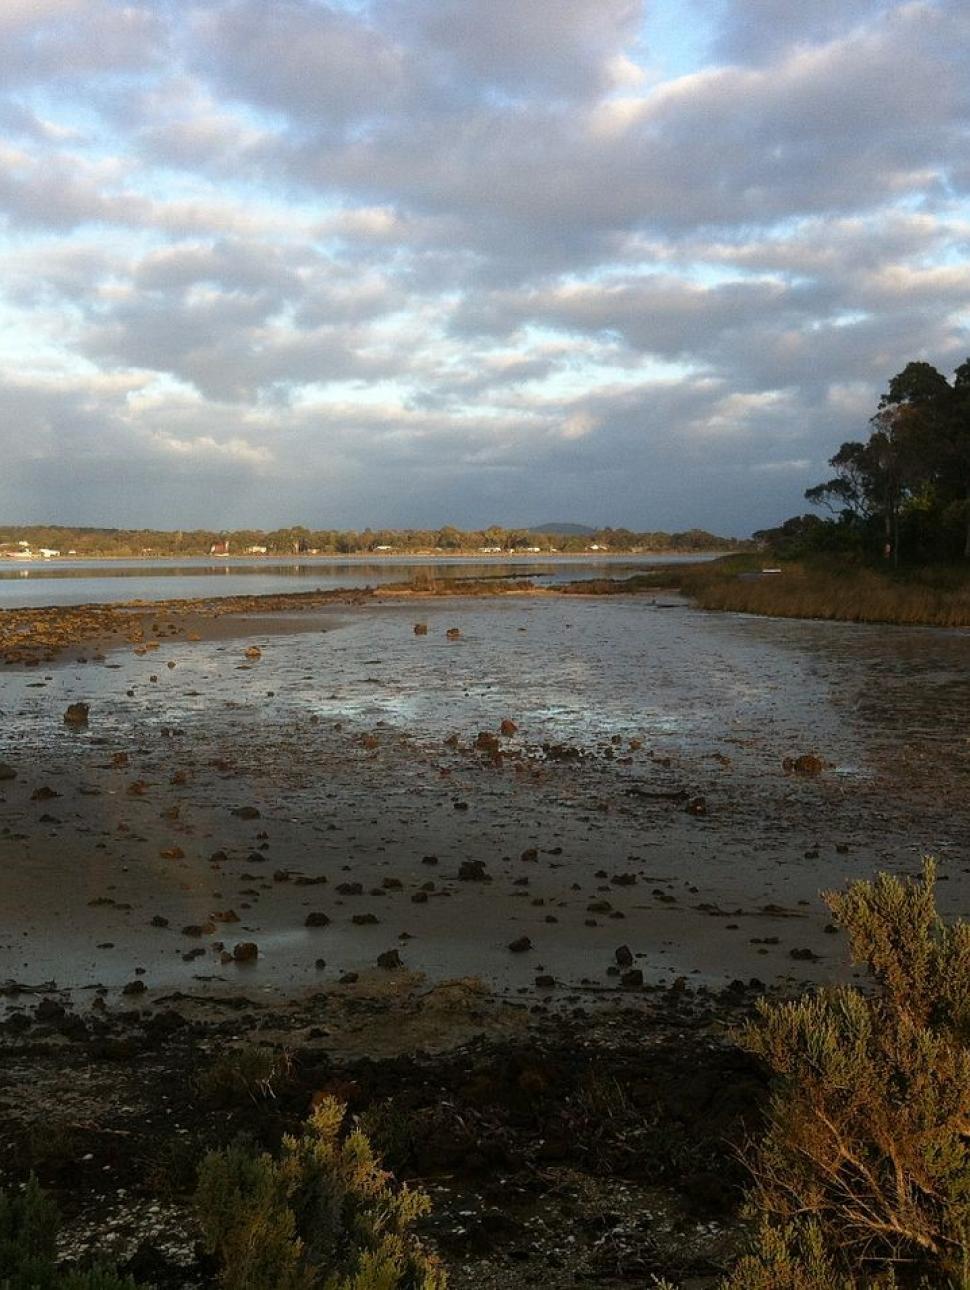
[[938, 598]]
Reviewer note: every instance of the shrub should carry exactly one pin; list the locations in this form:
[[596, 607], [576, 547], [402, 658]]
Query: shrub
[[324, 1216], [865, 1166], [28, 1247], [251, 1072]]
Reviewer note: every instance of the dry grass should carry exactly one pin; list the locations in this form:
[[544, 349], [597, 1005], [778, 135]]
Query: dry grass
[[933, 597]]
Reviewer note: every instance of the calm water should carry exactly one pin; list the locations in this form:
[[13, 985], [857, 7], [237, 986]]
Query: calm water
[[79, 582]]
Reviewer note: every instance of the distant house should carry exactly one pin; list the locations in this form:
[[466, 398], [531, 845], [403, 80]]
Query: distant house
[[255, 550], [596, 546], [383, 547], [219, 548], [48, 552]]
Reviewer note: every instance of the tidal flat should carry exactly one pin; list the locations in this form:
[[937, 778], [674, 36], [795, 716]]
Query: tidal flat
[[546, 835]]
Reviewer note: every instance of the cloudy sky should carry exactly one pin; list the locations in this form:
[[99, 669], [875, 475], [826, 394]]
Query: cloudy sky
[[642, 262]]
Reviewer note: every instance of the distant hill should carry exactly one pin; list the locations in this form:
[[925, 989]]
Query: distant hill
[[567, 530]]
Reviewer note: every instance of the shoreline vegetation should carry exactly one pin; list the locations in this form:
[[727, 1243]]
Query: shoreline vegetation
[[50, 540]]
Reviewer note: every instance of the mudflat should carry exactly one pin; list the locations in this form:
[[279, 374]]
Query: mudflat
[[340, 791]]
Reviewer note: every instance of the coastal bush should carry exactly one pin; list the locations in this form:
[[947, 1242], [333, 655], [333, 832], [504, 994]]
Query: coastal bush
[[323, 1216], [29, 1224], [251, 1072], [864, 1170]]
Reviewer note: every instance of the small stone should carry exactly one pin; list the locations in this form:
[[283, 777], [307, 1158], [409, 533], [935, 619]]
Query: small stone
[[364, 920], [7, 771], [77, 714], [420, 629], [316, 919], [134, 987], [390, 960], [246, 952], [521, 945], [632, 980], [624, 956]]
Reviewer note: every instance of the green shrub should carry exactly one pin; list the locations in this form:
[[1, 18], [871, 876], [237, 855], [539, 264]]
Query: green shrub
[[251, 1072], [865, 1165], [29, 1224], [324, 1216]]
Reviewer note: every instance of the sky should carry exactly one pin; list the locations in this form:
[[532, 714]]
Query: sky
[[414, 262]]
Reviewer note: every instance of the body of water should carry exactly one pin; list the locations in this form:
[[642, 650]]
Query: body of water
[[80, 582]]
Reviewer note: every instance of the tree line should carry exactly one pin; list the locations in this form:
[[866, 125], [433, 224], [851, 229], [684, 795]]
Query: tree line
[[904, 493], [298, 540]]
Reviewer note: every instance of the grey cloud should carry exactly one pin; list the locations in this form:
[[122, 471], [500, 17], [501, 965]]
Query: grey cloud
[[311, 60]]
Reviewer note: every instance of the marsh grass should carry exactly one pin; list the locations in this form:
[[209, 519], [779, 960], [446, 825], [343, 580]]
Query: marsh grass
[[937, 596]]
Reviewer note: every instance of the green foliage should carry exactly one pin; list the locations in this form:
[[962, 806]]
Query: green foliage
[[324, 1216], [299, 540], [251, 1072], [906, 487], [28, 1247], [866, 1161]]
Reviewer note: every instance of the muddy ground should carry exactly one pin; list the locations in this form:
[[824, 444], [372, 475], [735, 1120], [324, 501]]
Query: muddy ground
[[302, 844]]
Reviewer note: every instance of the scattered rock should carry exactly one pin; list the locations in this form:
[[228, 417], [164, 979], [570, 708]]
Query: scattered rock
[[390, 960], [316, 919], [624, 956], [521, 945], [420, 629], [473, 871], [806, 764], [7, 771], [453, 633], [246, 952], [508, 728], [77, 714], [246, 812], [134, 987]]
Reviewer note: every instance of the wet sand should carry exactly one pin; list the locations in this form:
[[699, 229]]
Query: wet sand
[[640, 802]]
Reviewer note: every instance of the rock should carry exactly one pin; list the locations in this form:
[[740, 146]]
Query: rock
[[134, 987], [390, 960], [529, 856], [7, 771], [159, 921], [419, 898], [350, 888], [246, 952], [316, 919], [521, 945], [77, 714], [246, 813], [696, 806], [253, 651], [806, 764], [473, 871], [453, 633], [632, 980], [43, 794], [806, 955], [508, 728], [364, 920], [624, 956], [420, 629], [487, 741], [50, 1010], [348, 978], [624, 879], [545, 982]]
